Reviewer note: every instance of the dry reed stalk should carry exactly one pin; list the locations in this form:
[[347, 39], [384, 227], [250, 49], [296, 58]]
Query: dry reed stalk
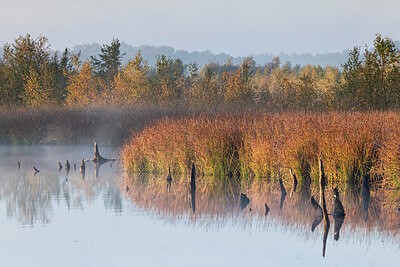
[[256, 147]]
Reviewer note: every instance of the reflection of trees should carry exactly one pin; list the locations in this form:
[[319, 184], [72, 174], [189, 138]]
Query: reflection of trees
[[30, 198], [112, 198]]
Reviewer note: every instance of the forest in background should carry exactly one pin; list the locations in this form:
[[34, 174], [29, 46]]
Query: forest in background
[[202, 58], [150, 53], [32, 75]]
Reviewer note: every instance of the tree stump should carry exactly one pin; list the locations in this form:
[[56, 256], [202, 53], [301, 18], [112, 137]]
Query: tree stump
[[97, 158]]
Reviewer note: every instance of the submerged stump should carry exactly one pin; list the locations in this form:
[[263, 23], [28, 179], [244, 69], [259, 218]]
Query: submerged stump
[[67, 166], [283, 193], [169, 180], [322, 184], [294, 183], [193, 188], [244, 201], [97, 158], [266, 209], [83, 168]]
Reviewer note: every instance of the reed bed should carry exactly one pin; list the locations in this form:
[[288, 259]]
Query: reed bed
[[63, 125], [251, 148]]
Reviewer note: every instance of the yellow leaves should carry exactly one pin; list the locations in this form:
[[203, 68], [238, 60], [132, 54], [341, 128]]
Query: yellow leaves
[[83, 88], [235, 87], [132, 84], [40, 88]]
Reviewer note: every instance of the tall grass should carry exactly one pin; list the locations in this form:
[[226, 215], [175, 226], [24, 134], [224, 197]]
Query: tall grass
[[255, 147]]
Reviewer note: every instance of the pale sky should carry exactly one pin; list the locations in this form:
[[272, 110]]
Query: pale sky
[[235, 27]]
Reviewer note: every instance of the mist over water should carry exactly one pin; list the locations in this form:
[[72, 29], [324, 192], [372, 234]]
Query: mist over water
[[102, 219]]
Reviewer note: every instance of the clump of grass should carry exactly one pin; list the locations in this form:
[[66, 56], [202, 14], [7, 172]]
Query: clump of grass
[[390, 159], [214, 143], [256, 147]]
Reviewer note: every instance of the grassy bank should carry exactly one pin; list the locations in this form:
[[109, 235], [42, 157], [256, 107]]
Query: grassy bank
[[262, 146]]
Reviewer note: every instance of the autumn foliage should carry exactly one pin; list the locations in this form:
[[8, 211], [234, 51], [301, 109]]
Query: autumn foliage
[[32, 75]]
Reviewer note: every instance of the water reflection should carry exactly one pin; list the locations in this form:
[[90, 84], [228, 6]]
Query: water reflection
[[30, 195], [365, 195], [267, 209], [203, 204], [32, 199], [325, 238], [318, 214], [339, 220], [338, 213], [283, 193], [244, 201]]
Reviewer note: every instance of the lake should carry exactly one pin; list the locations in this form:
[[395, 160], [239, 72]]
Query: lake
[[55, 218]]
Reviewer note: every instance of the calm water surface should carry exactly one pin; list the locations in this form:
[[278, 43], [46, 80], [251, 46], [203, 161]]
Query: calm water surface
[[59, 219]]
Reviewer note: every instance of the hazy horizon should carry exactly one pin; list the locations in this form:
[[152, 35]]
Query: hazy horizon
[[235, 28]]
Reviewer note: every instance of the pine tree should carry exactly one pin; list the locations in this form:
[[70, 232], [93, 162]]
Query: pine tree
[[109, 62]]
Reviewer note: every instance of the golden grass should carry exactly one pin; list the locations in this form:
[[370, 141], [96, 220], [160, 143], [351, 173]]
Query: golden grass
[[254, 147]]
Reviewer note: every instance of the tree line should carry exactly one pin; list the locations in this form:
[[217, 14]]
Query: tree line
[[202, 58], [32, 76]]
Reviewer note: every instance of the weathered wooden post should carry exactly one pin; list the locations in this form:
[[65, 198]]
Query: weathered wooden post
[[322, 184], [83, 168], [266, 209], [67, 166], [319, 215], [97, 158], [244, 201], [169, 179], [365, 195], [36, 171], [283, 193], [294, 182], [322, 181], [193, 188]]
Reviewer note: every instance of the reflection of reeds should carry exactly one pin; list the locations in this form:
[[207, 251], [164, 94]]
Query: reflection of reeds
[[258, 147], [297, 211]]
